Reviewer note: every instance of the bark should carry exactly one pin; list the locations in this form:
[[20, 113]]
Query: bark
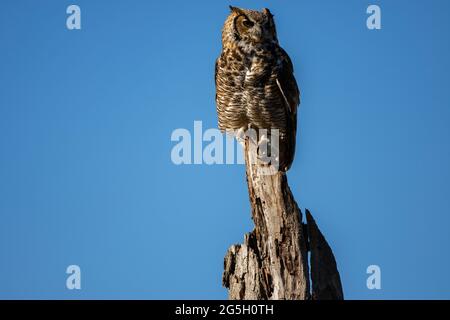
[[272, 263], [326, 283]]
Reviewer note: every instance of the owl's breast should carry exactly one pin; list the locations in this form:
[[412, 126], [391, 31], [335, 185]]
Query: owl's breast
[[264, 101], [246, 90], [230, 97]]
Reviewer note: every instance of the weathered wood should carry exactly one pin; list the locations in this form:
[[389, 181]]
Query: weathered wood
[[272, 263], [326, 282]]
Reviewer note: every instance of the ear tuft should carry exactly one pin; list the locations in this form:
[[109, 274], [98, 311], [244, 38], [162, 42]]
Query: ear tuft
[[235, 9], [267, 12]]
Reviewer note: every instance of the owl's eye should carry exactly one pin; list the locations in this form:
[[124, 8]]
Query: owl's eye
[[248, 23]]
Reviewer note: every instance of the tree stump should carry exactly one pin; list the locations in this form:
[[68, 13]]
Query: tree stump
[[272, 263]]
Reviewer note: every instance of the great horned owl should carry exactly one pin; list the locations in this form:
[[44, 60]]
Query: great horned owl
[[255, 85]]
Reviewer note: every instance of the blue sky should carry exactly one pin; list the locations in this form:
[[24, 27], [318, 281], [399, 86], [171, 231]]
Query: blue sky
[[86, 118]]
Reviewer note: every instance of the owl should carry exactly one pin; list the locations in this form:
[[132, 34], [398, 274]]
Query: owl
[[255, 84]]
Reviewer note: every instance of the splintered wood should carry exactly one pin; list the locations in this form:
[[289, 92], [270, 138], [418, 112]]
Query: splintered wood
[[272, 263]]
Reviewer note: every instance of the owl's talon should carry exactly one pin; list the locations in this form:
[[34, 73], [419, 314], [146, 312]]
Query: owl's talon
[[263, 147], [240, 136]]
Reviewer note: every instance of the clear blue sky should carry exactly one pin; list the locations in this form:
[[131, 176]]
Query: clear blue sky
[[86, 118]]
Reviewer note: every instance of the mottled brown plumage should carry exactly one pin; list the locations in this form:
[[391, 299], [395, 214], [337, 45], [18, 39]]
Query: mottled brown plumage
[[254, 77]]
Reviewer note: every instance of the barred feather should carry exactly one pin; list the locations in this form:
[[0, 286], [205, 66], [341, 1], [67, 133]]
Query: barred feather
[[255, 84]]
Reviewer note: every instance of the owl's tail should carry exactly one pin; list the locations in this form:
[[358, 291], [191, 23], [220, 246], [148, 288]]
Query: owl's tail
[[287, 145]]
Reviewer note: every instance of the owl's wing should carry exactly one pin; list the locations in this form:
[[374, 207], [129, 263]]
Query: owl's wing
[[288, 86]]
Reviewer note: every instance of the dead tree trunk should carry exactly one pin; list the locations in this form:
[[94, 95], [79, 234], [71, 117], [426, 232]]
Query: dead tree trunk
[[272, 263]]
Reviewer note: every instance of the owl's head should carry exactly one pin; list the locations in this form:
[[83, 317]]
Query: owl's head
[[249, 27]]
